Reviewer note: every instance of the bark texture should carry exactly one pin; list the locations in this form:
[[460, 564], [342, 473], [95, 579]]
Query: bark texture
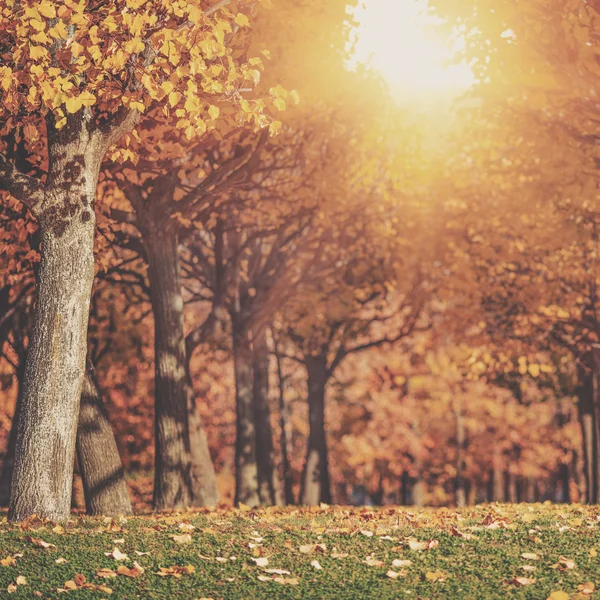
[[100, 466], [54, 370], [246, 469], [284, 439], [268, 483], [315, 479], [173, 476]]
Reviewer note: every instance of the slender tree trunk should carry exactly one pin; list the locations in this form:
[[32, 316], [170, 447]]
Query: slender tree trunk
[[174, 485], [9, 457], [497, 479], [55, 366], [404, 488], [284, 440], [315, 479], [461, 498], [418, 491], [268, 483], [585, 410], [204, 478], [102, 473], [246, 469], [530, 489], [564, 476]]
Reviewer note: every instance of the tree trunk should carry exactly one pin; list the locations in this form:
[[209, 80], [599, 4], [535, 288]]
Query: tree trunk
[[284, 440], [204, 479], [461, 497], [315, 479], [175, 482], [55, 366], [246, 469], [404, 488], [9, 456], [418, 491], [268, 482], [497, 479], [102, 473], [586, 392]]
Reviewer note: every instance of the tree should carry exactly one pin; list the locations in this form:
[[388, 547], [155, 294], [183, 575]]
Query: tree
[[90, 73]]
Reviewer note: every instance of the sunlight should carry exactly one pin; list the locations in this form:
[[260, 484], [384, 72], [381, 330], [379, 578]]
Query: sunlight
[[395, 37]]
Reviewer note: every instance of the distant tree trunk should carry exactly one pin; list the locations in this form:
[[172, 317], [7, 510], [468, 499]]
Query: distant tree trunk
[[246, 469], [285, 442], [418, 491], [204, 478], [565, 480], [586, 392], [315, 479], [510, 489], [100, 465], [497, 479], [9, 456], [530, 489], [268, 483], [175, 485], [55, 366], [404, 488], [461, 498]]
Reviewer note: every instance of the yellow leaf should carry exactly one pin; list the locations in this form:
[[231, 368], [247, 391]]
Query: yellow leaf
[[558, 595], [59, 31], [534, 369], [47, 10], [37, 52], [274, 128], [73, 104], [214, 112], [174, 98], [279, 104], [87, 98], [137, 106], [242, 20]]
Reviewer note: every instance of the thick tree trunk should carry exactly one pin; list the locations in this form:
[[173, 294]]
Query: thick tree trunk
[[268, 482], [315, 479], [246, 469], [55, 366], [102, 473], [176, 482], [284, 439]]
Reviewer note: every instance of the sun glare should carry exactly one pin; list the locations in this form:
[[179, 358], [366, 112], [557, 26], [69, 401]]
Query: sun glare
[[395, 37]]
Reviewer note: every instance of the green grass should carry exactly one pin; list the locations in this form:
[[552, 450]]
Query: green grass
[[482, 565]]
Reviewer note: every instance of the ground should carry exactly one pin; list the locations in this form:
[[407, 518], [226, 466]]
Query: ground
[[496, 551]]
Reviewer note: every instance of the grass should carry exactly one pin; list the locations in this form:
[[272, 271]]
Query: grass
[[475, 553]]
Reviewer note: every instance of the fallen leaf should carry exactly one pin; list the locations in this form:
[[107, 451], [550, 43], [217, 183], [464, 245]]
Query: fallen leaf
[[393, 574], [116, 554], [373, 562], [9, 561], [261, 562], [277, 571], [521, 581], [21, 580], [586, 588], [367, 533], [286, 581], [528, 568], [12, 588], [107, 573], [40, 542], [416, 544], [530, 556], [184, 538], [61, 560], [558, 595], [133, 573], [340, 555], [187, 527], [398, 563], [436, 576], [455, 532], [316, 565], [310, 548]]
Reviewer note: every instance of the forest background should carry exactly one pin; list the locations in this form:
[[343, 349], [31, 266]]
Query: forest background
[[311, 283]]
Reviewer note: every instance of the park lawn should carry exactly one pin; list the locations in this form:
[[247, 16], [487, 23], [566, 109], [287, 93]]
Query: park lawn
[[329, 552]]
